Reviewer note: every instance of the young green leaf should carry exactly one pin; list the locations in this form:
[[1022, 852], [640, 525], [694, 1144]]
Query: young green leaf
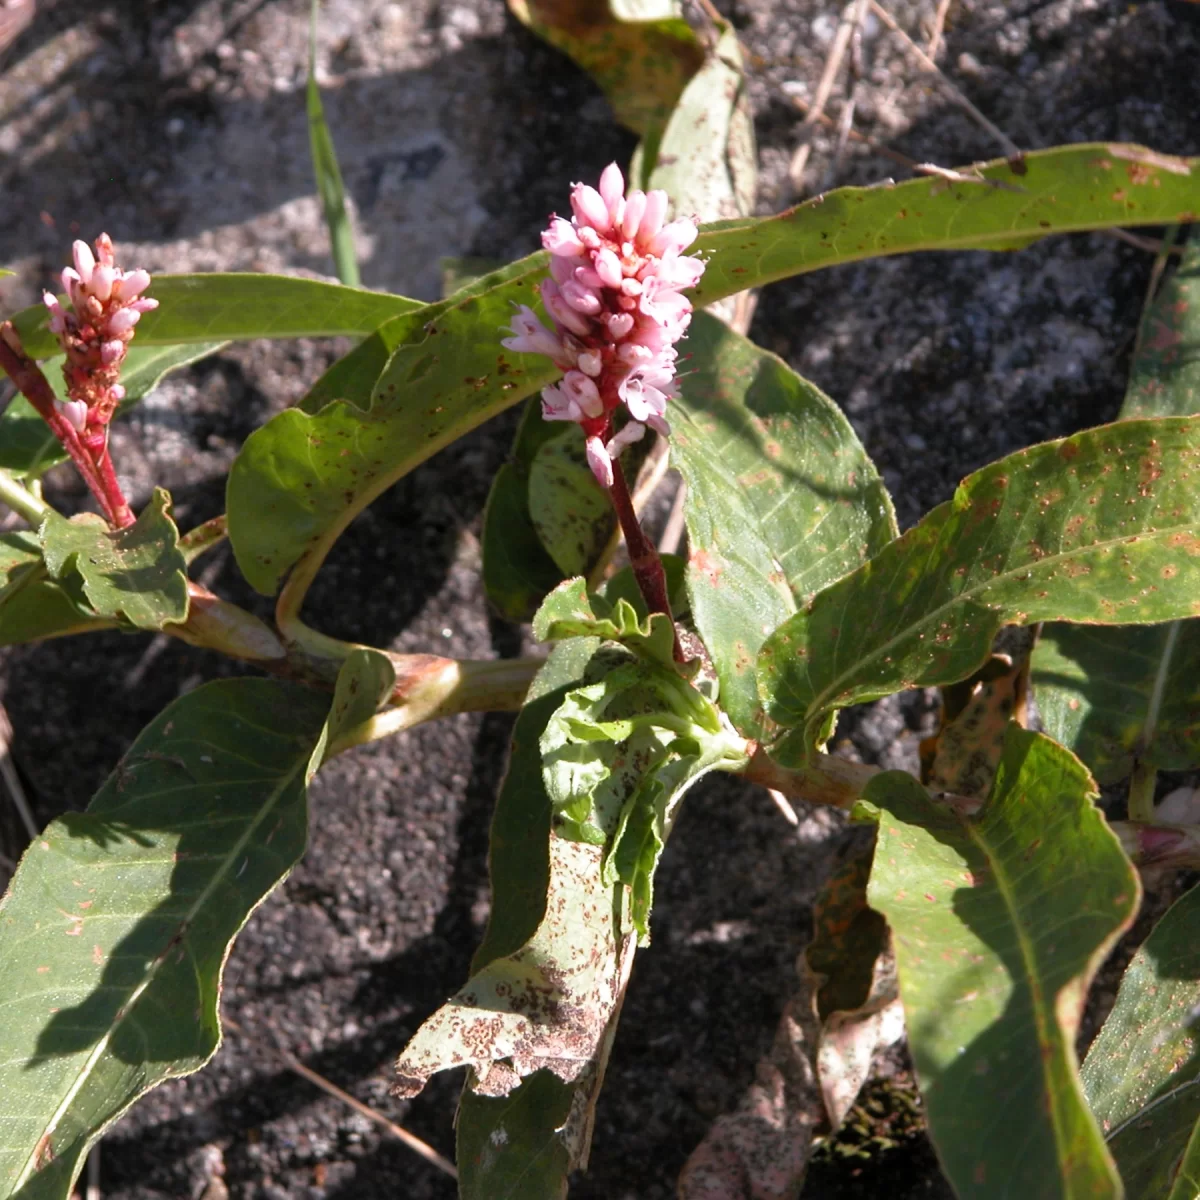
[[27, 447], [236, 306], [118, 922], [569, 612], [999, 922], [138, 573], [33, 606], [1142, 1073], [781, 501], [325, 168], [1060, 190], [1122, 698], [1103, 527], [302, 477]]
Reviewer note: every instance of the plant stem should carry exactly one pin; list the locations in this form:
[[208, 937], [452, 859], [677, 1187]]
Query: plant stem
[[643, 554], [21, 500], [1141, 792], [439, 687]]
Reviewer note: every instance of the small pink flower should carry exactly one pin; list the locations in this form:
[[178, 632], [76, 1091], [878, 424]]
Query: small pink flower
[[616, 303]]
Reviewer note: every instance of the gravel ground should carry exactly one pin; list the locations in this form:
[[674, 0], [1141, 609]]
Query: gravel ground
[[179, 128]]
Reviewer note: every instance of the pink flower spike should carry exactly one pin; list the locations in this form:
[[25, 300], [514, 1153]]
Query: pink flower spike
[[612, 187], [111, 352], [600, 463], [85, 261], [679, 235], [561, 239], [590, 208], [635, 205], [123, 320], [655, 214]]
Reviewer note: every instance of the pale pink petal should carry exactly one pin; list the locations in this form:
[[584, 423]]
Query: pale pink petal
[[583, 391], [659, 425], [677, 272], [123, 320], [562, 312], [634, 431], [111, 352], [85, 261], [589, 277], [102, 281], [561, 239], [74, 412], [117, 392], [580, 298], [590, 363], [612, 186], [590, 208], [677, 236], [134, 284], [619, 325], [144, 305], [635, 206], [608, 268], [599, 461], [655, 214]]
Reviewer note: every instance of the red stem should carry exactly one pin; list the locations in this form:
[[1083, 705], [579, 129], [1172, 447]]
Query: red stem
[[97, 473], [643, 554]]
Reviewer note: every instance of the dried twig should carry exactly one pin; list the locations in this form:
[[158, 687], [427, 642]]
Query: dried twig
[[846, 117], [939, 23], [1011, 149], [833, 64], [12, 781], [414, 1143]]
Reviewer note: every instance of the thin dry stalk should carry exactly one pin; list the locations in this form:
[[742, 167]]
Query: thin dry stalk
[[833, 64], [1011, 149], [939, 24], [414, 1143], [672, 533], [846, 117], [12, 781]]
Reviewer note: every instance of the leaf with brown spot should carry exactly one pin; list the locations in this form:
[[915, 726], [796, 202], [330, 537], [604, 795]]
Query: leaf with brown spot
[[926, 609], [999, 921]]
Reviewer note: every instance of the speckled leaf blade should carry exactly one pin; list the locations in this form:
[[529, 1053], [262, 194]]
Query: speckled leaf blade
[[138, 573], [235, 306], [531, 1152], [999, 922], [117, 925], [781, 500], [1116, 697], [1060, 190], [303, 476], [1142, 1073], [1101, 527], [641, 65], [27, 447], [32, 605]]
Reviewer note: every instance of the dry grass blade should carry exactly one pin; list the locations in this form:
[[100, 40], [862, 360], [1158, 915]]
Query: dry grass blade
[[1010, 147], [414, 1143], [12, 781], [939, 24]]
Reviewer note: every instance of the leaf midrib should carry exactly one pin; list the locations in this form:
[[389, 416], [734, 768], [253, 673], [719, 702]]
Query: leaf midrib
[[130, 1004]]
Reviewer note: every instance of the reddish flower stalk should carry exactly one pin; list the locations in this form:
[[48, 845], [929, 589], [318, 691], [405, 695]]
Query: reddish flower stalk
[[616, 305], [106, 304]]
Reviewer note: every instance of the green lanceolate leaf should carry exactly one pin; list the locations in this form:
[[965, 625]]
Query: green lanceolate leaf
[[641, 64], [325, 168], [32, 605], [1122, 698], [118, 922], [27, 446], [569, 612], [999, 922], [236, 306], [1142, 1073], [781, 500], [138, 574], [1060, 190], [302, 477], [1103, 526]]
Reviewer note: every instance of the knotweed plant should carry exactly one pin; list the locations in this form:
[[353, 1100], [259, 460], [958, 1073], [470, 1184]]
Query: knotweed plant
[[995, 884]]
